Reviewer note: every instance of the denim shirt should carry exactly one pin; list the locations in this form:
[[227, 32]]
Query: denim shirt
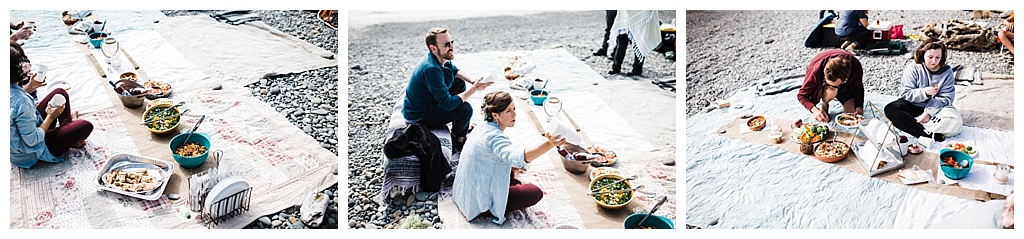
[[27, 139], [428, 88], [482, 178]]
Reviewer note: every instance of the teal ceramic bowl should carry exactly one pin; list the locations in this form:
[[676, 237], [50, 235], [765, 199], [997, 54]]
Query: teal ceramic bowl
[[658, 222], [538, 96], [955, 173], [96, 38], [190, 162]]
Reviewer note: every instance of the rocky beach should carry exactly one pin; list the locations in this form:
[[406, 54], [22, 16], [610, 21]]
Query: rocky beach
[[308, 99], [382, 56], [728, 51]]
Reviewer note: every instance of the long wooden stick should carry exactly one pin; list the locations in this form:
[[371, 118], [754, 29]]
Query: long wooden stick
[[573, 122], [130, 59]]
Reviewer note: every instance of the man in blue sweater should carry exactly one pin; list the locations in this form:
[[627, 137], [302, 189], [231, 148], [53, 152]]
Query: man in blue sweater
[[437, 92]]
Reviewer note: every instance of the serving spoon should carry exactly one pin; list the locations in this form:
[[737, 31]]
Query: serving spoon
[[634, 177], [653, 209], [617, 191], [193, 129]]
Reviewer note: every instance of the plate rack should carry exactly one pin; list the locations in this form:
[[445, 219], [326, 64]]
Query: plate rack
[[229, 207]]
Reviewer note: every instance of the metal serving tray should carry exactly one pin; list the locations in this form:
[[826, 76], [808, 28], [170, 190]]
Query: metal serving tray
[[130, 161]]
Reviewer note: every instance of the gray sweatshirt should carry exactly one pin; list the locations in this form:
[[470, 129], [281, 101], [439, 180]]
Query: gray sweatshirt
[[917, 78]]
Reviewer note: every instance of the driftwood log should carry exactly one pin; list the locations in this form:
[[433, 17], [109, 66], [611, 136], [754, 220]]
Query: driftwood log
[[960, 35]]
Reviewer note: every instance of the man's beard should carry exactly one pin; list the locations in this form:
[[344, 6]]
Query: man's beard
[[447, 55]]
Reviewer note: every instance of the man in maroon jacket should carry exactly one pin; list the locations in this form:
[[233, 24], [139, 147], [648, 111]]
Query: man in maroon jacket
[[833, 74]]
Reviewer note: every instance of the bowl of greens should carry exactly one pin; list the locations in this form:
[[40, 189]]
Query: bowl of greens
[[615, 196], [162, 117]]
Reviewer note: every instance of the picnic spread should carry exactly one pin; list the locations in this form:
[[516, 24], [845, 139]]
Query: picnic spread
[[565, 181], [168, 150], [876, 178]]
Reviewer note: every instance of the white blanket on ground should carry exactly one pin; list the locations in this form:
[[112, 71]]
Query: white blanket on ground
[[67, 64], [748, 185], [576, 85], [246, 52]]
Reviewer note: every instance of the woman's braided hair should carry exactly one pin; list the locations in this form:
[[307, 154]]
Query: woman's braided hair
[[495, 102]]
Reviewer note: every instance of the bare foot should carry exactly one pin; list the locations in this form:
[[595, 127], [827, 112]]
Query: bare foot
[[74, 116]]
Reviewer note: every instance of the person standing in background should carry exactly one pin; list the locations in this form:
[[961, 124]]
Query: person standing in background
[[640, 27], [609, 19]]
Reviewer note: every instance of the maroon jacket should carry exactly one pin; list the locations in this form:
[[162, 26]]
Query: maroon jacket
[[814, 79]]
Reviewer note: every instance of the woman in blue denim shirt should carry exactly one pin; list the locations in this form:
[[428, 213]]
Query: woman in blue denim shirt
[[485, 183], [39, 132]]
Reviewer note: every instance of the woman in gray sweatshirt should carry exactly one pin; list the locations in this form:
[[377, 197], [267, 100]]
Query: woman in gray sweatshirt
[[926, 88]]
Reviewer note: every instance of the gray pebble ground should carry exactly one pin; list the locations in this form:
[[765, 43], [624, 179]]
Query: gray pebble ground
[[727, 50], [308, 99], [381, 58]]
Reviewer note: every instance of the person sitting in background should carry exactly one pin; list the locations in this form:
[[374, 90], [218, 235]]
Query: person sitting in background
[[1006, 35], [926, 88], [40, 132], [852, 27], [485, 182], [833, 74]]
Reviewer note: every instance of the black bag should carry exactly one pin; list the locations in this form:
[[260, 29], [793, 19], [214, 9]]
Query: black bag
[[886, 48], [668, 42]]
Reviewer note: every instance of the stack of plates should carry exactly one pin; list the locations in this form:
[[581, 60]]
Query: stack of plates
[[220, 202]]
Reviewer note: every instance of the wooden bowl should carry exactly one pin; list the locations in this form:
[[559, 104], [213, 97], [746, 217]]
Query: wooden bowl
[[833, 159], [129, 76], [756, 126]]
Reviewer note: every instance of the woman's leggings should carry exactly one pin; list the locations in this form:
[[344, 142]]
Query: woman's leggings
[[63, 132]]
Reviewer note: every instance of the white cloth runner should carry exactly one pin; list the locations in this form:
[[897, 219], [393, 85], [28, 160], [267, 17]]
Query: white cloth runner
[[980, 178], [921, 209], [67, 64], [158, 58], [992, 145], [246, 52], [571, 81]]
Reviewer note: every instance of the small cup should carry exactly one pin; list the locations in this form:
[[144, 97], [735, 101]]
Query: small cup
[[31, 24], [775, 137], [904, 146], [57, 100], [1002, 174], [40, 71]]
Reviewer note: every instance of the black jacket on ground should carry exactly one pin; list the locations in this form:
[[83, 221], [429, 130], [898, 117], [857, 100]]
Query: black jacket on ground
[[417, 140]]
